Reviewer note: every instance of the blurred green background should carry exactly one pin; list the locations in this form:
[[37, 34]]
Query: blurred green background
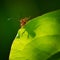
[[13, 10]]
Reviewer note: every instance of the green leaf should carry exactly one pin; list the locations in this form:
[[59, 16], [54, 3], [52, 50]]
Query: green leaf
[[39, 38]]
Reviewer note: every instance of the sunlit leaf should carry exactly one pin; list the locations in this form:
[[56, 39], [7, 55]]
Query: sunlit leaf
[[39, 39]]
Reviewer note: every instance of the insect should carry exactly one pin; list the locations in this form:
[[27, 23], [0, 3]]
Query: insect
[[24, 21]]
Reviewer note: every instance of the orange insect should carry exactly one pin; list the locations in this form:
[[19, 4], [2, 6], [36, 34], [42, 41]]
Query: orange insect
[[24, 21]]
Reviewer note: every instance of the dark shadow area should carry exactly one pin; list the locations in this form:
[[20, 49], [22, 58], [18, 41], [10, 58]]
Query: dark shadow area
[[47, 6], [31, 26], [8, 31], [56, 56]]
